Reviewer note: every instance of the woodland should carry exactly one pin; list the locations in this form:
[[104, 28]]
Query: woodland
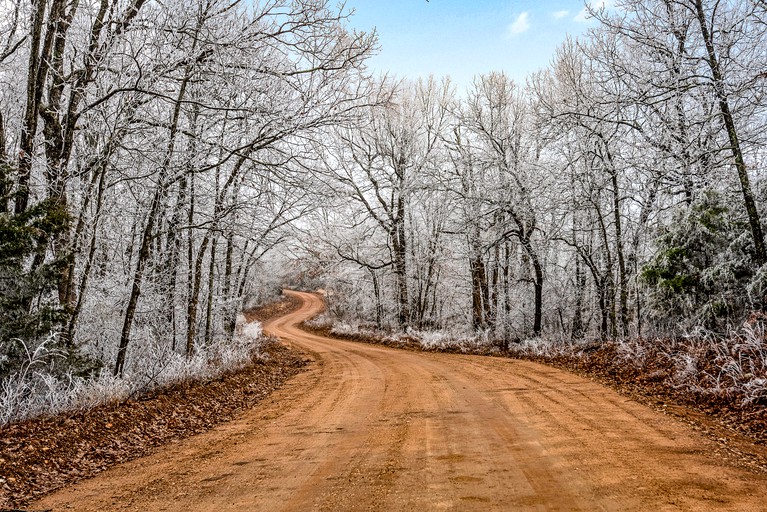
[[164, 165]]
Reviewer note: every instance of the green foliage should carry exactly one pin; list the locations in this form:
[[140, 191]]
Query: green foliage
[[29, 309], [669, 270], [703, 271]]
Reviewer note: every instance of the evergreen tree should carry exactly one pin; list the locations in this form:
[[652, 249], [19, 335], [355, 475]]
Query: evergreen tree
[[703, 268], [29, 310]]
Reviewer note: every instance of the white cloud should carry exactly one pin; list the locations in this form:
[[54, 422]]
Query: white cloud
[[560, 14], [519, 25], [584, 15]]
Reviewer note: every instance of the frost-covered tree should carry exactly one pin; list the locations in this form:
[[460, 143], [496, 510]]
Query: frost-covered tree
[[169, 141], [701, 273]]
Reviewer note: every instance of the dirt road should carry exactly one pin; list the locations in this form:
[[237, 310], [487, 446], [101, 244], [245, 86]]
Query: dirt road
[[372, 428]]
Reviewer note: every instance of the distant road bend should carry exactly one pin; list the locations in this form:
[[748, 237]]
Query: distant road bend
[[373, 428]]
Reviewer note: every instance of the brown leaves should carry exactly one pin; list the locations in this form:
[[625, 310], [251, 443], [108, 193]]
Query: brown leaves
[[284, 306], [40, 455]]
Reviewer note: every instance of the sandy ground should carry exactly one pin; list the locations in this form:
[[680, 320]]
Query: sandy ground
[[372, 428]]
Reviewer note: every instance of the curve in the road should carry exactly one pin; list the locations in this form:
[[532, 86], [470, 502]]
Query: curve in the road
[[373, 428]]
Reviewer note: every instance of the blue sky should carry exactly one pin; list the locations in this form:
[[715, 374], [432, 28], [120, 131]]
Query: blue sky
[[464, 38]]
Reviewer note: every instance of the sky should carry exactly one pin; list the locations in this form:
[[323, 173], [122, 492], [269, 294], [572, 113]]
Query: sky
[[464, 38]]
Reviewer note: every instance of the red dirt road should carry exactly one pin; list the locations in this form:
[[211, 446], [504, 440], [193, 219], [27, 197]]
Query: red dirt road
[[372, 428]]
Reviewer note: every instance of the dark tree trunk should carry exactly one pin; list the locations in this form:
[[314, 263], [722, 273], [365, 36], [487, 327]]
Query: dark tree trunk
[[622, 278], [148, 232], [173, 258], [211, 293], [80, 293], [580, 283], [399, 246], [603, 307], [230, 320], [538, 285], [5, 169], [37, 69], [194, 298], [760, 252], [479, 291], [377, 293]]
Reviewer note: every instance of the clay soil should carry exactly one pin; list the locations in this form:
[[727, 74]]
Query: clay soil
[[740, 428], [367, 427]]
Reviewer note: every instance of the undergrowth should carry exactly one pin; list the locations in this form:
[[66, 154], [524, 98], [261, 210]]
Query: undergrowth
[[37, 388], [729, 369]]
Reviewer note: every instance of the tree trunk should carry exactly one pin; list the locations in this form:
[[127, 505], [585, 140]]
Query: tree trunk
[[622, 279], [507, 280], [623, 310], [194, 298], [538, 285], [479, 290], [211, 294], [605, 281], [495, 287], [603, 307], [377, 293], [760, 252], [576, 331], [174, 258], [138, 276], [37, 69], [524, 239], [148, 232], [5, 169], [190, 250], [80, 294], [399, 246], [230, 320]]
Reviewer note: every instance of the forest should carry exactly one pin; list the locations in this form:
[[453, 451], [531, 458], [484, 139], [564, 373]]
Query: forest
[[165, 165]]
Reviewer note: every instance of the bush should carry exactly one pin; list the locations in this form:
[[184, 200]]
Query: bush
[[703, 274]]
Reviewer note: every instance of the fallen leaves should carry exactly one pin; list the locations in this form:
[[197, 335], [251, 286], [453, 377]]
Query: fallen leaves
[[39, 455]]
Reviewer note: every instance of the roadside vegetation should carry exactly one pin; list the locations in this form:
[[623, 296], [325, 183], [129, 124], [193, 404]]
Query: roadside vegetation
[[723, 378], [117, 424], [45, 383]]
